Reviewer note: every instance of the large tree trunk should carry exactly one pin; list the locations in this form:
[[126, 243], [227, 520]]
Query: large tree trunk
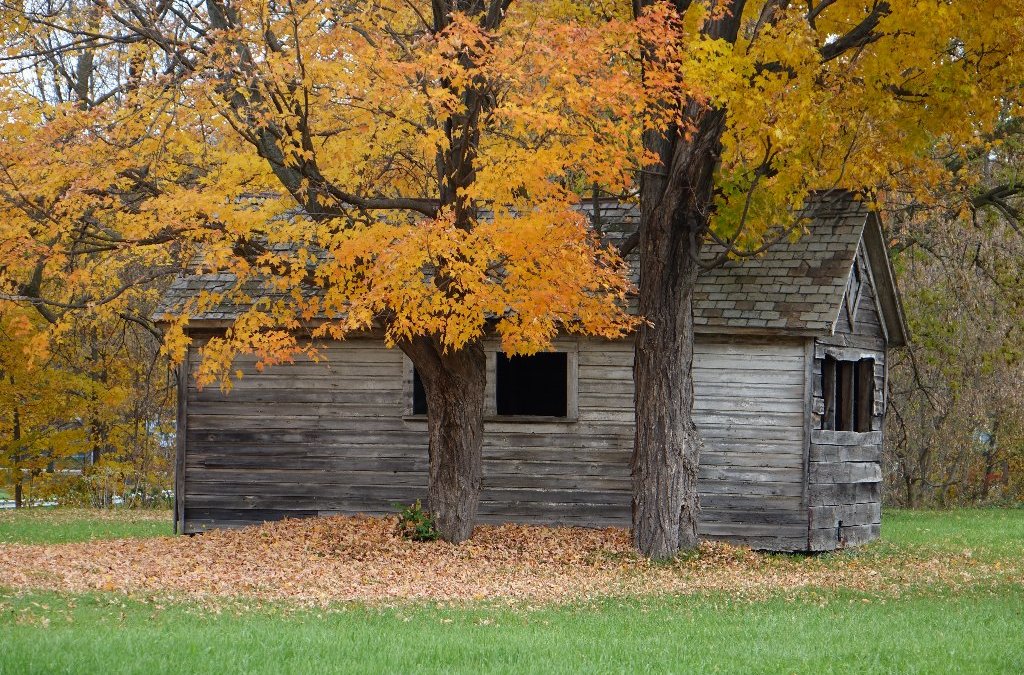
[[675, 205], [455, 385], [676, 197], [667, 446]]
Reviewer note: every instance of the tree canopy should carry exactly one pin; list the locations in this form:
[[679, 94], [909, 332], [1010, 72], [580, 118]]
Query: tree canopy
[[207, 126]]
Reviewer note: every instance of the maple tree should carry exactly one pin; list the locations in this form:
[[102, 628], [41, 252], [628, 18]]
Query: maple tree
[[86, 412], [84, 383], [404, 167], [32, 398], [751, 107]]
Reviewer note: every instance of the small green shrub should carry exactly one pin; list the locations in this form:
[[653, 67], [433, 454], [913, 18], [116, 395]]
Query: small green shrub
[[415, 523]]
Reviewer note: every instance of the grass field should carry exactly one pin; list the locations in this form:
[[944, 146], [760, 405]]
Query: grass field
[[814, 633], [55, 526], [988, 533], [949, 627]]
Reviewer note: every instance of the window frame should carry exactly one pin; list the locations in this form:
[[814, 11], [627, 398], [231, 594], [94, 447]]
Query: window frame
[[491, 348], [854, 410]]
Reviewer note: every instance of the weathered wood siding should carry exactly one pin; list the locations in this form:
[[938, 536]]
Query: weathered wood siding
[[844, 470], [336, 437], [751, 410]]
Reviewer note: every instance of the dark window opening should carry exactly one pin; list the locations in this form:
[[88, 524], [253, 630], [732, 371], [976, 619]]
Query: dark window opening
[[533, 385], [419, 395], [848, 389]]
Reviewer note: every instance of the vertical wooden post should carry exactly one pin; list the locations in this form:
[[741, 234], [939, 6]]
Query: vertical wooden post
[[828, 392], [808, 423], [865, 394], [181, 429], [845, 388]]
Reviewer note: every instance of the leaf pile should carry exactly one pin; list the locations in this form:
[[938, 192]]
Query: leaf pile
[[339, 558]]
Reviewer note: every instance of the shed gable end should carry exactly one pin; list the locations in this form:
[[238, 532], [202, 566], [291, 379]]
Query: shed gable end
[[860, 313]]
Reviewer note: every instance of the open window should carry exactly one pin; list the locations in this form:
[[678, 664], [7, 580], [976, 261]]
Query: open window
[[524, 386], [535, 386], [848, 389], [419, 394]]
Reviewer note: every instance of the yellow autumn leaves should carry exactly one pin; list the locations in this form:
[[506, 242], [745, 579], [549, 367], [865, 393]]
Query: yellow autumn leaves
[[204, 138]]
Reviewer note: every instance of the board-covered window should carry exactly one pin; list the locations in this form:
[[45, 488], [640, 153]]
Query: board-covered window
[[848, 388], [532, 385]]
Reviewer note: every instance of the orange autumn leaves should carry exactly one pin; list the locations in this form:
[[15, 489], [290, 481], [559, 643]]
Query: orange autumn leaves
[[566, 105], [379, 93], [357, 103], [530, 274], [345, 559]]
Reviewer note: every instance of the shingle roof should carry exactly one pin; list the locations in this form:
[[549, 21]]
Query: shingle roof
[[793, 287]]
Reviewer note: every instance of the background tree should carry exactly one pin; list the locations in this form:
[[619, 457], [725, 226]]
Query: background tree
[[71, 436], [954, 432], [76, 283]]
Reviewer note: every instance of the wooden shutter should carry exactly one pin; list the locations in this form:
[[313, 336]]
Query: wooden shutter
[[865, 394], [845, 384], [828, 392]]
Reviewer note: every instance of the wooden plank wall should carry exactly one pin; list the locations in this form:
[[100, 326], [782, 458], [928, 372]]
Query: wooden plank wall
[[750, 408], [334, 437], [844, 470]]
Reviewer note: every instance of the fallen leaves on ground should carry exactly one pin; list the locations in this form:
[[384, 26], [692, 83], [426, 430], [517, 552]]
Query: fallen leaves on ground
[[323, 560]]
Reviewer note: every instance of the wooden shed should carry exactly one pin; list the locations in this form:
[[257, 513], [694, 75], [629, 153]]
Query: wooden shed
[[790, 377]]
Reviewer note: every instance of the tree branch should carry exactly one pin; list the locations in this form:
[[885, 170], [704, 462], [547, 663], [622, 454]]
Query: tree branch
[[860, 35]]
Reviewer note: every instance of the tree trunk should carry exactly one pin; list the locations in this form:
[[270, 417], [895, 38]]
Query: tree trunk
[[16, 434], [455, 385], [676, 201], [667, 446], [675, 204]]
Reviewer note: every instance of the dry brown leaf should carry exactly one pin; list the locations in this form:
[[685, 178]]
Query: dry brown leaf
[[339, 558]]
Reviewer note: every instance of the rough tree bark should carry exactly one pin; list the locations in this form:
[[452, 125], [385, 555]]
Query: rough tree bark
[[675, 205], [666, 451], [454, 381], [454, 384]]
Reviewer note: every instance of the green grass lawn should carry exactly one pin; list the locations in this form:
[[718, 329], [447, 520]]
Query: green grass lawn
[[834, 632], [926, 630], [55, 526], [986, 532]]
